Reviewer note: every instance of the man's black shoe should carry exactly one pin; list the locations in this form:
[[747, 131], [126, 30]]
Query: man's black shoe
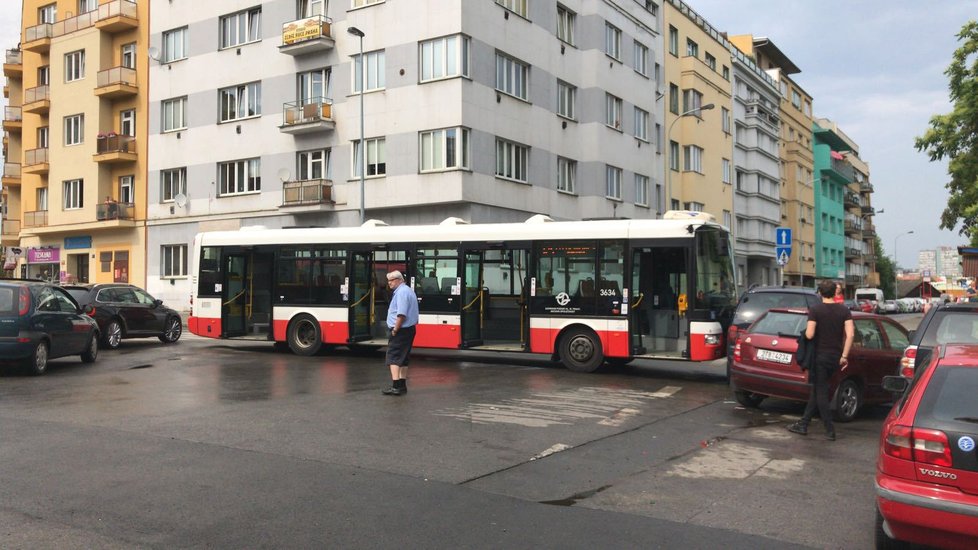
[[393, 391], [798, 428], [830, 436]]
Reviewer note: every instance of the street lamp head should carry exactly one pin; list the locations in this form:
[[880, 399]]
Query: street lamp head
[[707, 107], [355, 31]]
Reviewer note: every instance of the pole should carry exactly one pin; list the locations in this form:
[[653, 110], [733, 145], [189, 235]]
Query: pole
[[363, 141]]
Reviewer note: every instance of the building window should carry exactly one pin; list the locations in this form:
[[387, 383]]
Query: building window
[[173, 258], [314, 165], [376, 157], [47, 14], [42, 198], [74, 66], [612, 182], [727, 218], [692, 48], [565, 24], [612, 111], [612, 41], [516, 6], [239, 177], [726, 170], [127, 122], [674, 155], [241, 28], [74, 194], [641, 59], [674, 99], [725, 119], [692, 100], [511, 76], [673, 40], [796, 99], [566, 100], [711, 61], [85, 6], [74, 129], [241, 101], [44, 75], [641, 190], [444, 149], [173, 182], [376, 67], [566, 174], [726, 72], [808, 108], [42, 137], [444, 57], [694, 206], [641, 124], [693, 158], [174, 45], [511, 160], [127, 190], [174, 114]]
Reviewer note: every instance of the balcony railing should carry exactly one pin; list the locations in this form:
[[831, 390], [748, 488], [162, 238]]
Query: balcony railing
[[844, 169], [115, 144], [10, 227], [117, 15], [13, 114], [37, 218], [851, 199], [73, 24], [37, 93], [307, 35], [38, 32], [114, 211], [11, 169], [310, 115], [852, 226], [33, 157], [116, 75], [306, 192], [14, 57]]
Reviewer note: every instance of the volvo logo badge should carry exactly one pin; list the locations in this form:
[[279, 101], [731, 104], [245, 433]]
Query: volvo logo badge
[[966, 444]]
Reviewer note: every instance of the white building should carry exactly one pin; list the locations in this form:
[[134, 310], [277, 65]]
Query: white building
[[488, 111]]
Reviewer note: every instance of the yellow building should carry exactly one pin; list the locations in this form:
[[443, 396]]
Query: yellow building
[[699, 164], [83, 96], [797, 158]]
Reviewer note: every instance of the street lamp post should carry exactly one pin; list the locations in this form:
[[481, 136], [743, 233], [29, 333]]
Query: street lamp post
[[363, 143], [895, 278], [706, 107]]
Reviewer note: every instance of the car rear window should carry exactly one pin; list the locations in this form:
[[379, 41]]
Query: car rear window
[[8, 301], [950, 396], [79, 294], [753, 305], [952, 327], [777, 322]]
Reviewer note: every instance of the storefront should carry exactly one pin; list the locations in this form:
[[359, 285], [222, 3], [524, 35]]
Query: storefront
[[44, 263]]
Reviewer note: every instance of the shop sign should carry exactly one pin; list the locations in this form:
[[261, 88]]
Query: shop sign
[[43, 255], [74, 243]]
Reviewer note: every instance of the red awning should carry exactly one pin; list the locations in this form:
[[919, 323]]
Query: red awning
[[836, 155]]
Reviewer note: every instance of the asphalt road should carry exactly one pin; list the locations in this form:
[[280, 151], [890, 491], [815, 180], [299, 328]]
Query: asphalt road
[[214, 444]]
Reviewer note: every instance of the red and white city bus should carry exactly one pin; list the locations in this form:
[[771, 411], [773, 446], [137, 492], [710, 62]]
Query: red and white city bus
[[582, 292]]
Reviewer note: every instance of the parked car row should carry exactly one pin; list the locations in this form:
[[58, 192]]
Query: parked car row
[[40, 320]]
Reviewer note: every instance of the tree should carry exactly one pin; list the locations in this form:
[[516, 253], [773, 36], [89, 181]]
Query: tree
[[954, 136], [885, 267]]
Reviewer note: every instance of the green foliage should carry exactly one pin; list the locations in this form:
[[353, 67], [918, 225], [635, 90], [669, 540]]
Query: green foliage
[[884, 266], [954, 136]]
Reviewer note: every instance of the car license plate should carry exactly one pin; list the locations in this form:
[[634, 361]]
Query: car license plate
[[776, 356]]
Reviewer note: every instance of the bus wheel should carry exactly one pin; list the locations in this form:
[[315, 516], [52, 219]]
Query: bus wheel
[[580, 350], [304, 336]]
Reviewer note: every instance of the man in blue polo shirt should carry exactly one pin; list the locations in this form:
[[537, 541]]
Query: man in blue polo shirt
[[402, 318]]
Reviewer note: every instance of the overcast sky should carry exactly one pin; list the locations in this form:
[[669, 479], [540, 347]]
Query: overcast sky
[[875, 67]]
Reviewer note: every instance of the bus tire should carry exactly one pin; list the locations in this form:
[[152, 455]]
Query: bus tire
[[580, 350], [304, 335]]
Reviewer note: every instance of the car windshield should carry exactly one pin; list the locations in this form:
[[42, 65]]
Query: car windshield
[[952, 327], [780, 323], [754, 304], [950, 395], [7, 302]]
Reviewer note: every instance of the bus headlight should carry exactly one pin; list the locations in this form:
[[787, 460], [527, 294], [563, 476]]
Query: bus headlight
[[712, 339]]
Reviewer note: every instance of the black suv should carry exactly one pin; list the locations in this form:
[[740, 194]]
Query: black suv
[[948, 323], [127, 311], [39, 321], [759, 299]]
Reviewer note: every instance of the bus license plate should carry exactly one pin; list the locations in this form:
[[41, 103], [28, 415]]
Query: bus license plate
[[776, 356]]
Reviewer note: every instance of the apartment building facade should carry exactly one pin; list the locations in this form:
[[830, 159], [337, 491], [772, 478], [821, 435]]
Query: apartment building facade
[[485, 111], [861, 249], [79, 206]]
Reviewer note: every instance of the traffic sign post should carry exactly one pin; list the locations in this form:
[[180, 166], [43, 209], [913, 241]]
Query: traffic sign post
[[783, 236], [782, 250]]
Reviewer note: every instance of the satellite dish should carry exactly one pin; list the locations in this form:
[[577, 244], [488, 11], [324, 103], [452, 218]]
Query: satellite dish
[[284, 175], [180, 199], [154, 53]]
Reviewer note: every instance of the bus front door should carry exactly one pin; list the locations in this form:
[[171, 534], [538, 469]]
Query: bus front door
[[473, 298], [658, 301], [361, 291], [234, 301]]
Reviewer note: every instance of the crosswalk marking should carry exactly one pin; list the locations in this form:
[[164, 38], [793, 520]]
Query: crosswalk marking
[[609, 407]]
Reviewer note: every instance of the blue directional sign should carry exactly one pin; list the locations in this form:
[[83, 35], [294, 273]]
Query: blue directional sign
[[782, 253], [783, 236]]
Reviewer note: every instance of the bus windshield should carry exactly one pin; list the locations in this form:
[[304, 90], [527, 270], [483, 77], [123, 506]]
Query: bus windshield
[[715, 288]]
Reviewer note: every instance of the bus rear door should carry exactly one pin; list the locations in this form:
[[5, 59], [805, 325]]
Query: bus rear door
[[360, 287]]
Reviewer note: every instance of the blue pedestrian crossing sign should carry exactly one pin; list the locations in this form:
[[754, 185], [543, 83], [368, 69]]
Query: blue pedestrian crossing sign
[[782, 253], [783, 237]]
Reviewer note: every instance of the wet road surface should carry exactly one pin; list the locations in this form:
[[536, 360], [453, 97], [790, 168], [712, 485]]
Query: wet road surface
[[210, 443]]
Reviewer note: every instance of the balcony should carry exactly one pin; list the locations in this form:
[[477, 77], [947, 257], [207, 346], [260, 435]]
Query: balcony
[[116, 82], [10, 233], [851, 199], [307, 35], [37, 39], [37, 100], [843, 170], [11, 174], [114, 149], [13, 119], [868, 210], [37, 218], [854, 279], [865, 186], [868, 231], [307, 116], [117, 16], [36, 161], [759, 110], [13, 64], [853, 252], [307, 193], [114, 211], [852, 227]]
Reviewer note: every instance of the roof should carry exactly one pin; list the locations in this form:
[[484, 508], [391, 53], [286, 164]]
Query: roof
[[767, 47]]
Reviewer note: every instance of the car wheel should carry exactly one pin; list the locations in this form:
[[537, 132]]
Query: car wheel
[[580, 350], [37, 364], [883, 541], [749, 399], [91, 353], [304, 336], [174, 328], [849, 400], [113, 334]]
